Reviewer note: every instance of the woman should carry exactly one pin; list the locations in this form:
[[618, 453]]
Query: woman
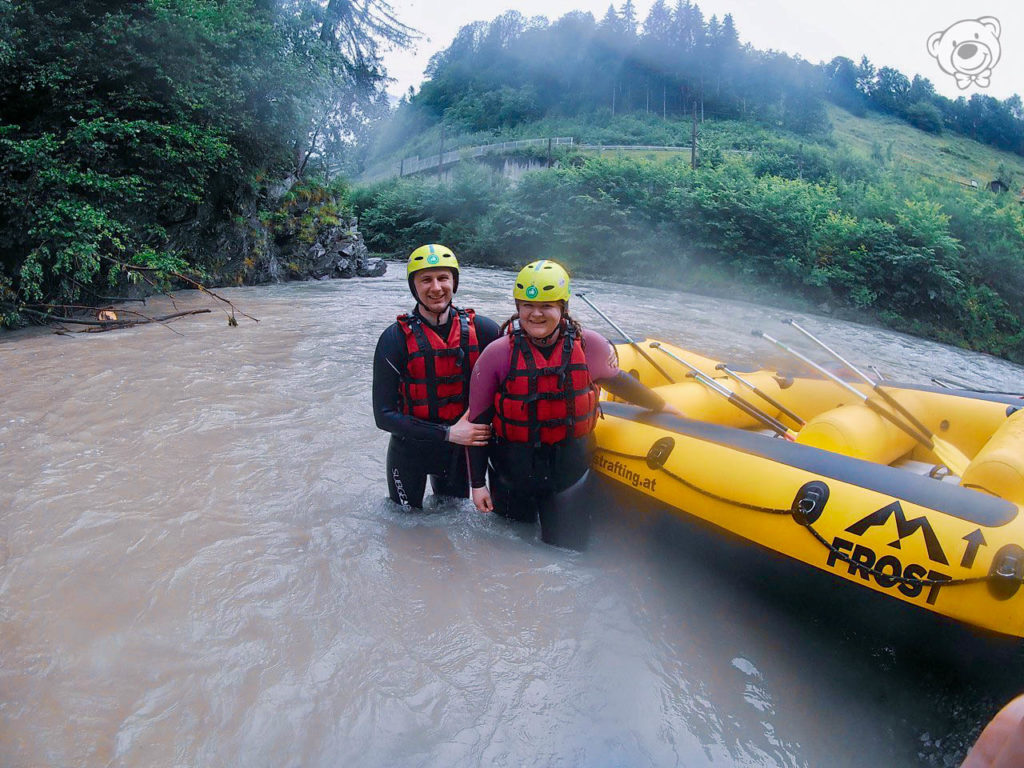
[[538, 388]]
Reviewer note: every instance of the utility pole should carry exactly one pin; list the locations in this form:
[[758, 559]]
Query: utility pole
[[440, 154], [693, 139]]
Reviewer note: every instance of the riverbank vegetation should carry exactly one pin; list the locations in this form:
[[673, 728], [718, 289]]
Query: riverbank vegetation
[[136, 138], [153, 139], [822, 225]]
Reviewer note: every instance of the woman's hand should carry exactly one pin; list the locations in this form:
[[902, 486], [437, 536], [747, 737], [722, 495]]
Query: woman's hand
[[482, 499], [465, 432]]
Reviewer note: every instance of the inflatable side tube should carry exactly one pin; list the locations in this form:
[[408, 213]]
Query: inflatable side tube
[[952, 500], [999, 466], [1007, 398], [856, 430]]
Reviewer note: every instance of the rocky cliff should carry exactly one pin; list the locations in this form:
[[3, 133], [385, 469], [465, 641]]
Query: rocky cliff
[[305, 235]]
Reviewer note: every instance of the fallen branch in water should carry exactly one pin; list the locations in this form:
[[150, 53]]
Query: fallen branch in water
[[108, 319], [109, 325], [194, 283], [98, 326]]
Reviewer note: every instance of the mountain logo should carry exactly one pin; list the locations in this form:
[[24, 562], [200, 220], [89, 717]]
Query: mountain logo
[[904, 528], [968, 50]]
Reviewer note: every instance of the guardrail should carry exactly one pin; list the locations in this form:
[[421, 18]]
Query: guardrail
[[632, 147], [645, 148], [410, 165]]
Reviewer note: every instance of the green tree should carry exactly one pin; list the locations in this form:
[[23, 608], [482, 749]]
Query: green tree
[[924, 115], [123, 121]]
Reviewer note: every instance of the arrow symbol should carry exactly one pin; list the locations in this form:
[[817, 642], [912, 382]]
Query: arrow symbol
[[974, 541]]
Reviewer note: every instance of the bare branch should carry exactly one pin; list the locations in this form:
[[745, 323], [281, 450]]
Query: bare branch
[[108, 325], [111, 325], [194, 283]]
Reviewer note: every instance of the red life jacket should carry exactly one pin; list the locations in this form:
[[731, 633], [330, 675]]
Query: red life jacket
[[545, 401], [435, 384]]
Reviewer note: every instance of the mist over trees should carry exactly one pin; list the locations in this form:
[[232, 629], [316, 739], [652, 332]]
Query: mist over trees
[[775, 207], [663, 66], [791, 221], [515, 69], [144, 138], [122, 122]]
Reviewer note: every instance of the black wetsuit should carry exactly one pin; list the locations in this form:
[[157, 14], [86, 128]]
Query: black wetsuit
[[418, 448]]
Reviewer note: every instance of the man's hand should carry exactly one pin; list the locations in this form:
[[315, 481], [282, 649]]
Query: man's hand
[[465, 432], [671, 409], [482, 499]]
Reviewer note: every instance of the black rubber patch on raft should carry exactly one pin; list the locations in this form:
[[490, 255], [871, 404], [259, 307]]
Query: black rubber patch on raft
[[810, 502], [1007, 570], [660, 451]]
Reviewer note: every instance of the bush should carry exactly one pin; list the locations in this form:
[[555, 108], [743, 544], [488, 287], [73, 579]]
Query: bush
[[926, 116], [895, 248]]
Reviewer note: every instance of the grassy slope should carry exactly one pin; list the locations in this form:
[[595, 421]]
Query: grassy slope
[[949, 157]]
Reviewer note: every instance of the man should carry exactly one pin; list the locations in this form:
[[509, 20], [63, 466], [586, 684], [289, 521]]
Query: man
[[421, 370]]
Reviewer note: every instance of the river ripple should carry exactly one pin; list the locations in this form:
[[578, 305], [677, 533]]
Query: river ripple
[[198, 567]]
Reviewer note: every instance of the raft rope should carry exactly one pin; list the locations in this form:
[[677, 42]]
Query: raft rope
[[839, 555]]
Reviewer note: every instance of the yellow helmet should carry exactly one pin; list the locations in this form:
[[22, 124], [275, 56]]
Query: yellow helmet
[[542, 280], [432, 256]]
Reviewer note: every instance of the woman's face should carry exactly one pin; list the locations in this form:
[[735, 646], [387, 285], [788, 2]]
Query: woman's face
[[539, 318]]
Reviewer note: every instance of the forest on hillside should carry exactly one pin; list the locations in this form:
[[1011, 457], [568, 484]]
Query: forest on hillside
[[514, 69]]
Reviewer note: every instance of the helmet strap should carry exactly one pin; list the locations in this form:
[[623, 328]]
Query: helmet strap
[[552, 337], [434, 318]]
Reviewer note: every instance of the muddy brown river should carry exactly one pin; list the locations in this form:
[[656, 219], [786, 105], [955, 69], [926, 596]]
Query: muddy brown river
[[199, 567]]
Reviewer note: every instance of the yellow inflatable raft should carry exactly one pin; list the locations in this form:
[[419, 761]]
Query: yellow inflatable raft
[[847, 489]]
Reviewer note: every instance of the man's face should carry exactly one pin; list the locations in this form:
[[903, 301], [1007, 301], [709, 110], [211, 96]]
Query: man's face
[[434, 288]]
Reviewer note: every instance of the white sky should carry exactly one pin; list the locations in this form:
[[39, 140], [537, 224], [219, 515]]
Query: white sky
[[892, 33]]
